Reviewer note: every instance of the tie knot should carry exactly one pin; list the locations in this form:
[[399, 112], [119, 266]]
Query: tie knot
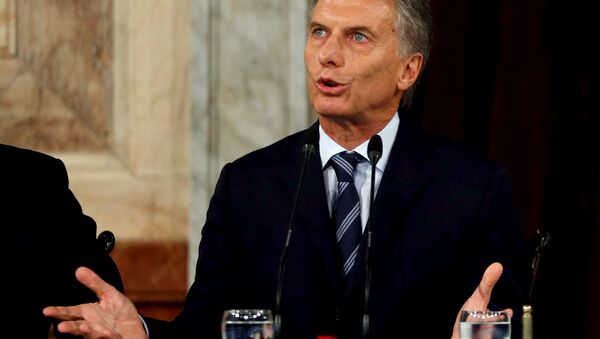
[[344, 164]]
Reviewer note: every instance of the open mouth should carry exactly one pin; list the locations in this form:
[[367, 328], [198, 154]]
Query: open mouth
[[328, 83]]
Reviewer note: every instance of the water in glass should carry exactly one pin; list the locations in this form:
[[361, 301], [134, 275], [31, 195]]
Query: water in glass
[[484, 325], [247, 324]]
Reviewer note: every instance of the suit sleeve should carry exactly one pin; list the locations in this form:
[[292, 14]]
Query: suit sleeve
[[502, 243], [70, 238]]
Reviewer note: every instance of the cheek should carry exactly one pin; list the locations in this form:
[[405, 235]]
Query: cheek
[[379, 78], [309, 58], [311, 89]]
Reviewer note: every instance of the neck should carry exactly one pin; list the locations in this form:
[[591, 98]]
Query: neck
[[349, 134]]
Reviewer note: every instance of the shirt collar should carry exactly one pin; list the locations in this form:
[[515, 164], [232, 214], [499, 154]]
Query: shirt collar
[[329, 148]]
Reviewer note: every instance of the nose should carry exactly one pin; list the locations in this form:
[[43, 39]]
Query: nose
[[331, 53]]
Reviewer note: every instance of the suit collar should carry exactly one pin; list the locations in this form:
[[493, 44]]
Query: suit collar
[[328, 147], [400, 184]]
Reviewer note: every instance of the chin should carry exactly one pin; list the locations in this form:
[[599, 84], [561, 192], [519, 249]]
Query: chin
[[331, 110], [333, 113]]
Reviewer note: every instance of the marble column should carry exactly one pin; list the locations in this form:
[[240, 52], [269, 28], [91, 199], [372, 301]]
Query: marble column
[[247, 88]]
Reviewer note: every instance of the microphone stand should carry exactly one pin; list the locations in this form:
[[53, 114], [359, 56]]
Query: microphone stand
[[527, 318], [312, 139], [374, 152]]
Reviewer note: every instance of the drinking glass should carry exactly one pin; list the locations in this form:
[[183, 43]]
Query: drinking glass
[[484, 325], [247, 324]]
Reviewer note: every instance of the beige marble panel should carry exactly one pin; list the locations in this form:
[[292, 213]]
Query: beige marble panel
[[34, 116], [8, 28], [134, 207], [104, 86], [139, 188], [152, 85], [3, 24], [256, 58], [58, 95], [248, 87]]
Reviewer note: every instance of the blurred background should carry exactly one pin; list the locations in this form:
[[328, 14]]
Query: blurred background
[[145, 101]]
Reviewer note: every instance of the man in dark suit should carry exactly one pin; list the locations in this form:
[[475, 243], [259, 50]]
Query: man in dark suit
[[46, 237], [441, 214]]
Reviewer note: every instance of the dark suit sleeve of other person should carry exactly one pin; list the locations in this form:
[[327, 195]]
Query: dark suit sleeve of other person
[[49, 237]]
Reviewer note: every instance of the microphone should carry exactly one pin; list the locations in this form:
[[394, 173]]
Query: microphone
[[374, 150], [311, 140]]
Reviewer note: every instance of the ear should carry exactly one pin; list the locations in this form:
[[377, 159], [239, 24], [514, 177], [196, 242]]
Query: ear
[[409, 71]]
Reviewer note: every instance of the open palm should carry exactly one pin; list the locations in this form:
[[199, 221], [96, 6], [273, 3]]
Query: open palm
[[113, 316]]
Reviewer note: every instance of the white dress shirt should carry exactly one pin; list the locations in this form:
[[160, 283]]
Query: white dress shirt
[[362, 174]]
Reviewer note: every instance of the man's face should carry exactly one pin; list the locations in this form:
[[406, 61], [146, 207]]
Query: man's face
[[352, 60]]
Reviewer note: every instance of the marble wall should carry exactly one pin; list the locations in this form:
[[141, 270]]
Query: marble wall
[[56, 94], [248, 87], [8, 28], [104, 86], [145, 101]]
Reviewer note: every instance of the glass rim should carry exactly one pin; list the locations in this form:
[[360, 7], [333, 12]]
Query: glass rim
[[239, 314], [250, 310], [474, 316]]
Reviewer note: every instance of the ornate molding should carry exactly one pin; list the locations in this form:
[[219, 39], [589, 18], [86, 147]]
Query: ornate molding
[[8, 28]]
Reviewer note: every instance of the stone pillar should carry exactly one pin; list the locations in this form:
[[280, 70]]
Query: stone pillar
[[248, 87]]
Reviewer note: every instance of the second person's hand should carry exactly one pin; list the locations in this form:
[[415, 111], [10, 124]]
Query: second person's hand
[[113, 316]]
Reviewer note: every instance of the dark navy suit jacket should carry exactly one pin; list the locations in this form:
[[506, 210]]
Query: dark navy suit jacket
[[441, 216]]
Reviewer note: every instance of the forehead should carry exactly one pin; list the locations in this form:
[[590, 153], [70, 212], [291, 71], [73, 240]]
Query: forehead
[[354, 12]]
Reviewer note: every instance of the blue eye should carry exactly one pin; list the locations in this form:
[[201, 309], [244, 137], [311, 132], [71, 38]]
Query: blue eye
[[319, 32], [359, 37]]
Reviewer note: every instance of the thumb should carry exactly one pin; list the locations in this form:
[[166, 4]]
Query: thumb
[[92, 281], [481, 296]]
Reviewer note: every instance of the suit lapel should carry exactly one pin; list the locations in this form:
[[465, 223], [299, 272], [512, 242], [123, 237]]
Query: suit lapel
[[400, 185], [313, 216]]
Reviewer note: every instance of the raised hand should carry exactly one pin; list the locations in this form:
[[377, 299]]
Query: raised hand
[[480, 298], [113, 316]]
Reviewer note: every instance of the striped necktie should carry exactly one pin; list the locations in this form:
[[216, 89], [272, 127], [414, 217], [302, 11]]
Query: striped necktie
[[346, 210]]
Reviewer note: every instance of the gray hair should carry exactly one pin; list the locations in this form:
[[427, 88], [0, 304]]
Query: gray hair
[[414, 27]]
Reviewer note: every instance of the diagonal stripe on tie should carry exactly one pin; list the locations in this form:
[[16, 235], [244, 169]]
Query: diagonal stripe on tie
[[350, 262], [343, 164], [342, 187], [346, 212], [347, 222]]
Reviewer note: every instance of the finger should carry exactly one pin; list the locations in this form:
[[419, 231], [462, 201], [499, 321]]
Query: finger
[[92, 281], [482, 294], [74, 327], [63, 313], [83, 328]]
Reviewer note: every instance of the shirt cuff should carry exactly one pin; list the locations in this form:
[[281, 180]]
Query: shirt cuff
[[145, 326]]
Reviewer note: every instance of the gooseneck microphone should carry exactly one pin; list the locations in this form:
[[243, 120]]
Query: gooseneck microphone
[[374, 151], [311, 140]]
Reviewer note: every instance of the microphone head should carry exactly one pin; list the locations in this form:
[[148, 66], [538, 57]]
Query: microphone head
[[311, 138], [375, 149]]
